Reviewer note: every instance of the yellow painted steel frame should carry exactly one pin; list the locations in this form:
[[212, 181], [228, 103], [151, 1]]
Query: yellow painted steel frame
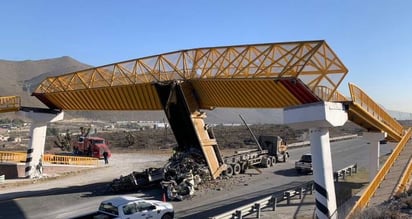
[[70, 160], [313, 62], [404, 181], [374, 185], [382, 120], [48, 158], [12, 156], [326, 94], [9, 104], [208, 146]]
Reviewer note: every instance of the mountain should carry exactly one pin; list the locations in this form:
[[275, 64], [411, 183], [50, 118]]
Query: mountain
[[22, 77]]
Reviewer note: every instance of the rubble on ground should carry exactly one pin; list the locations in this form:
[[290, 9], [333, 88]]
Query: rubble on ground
[[180, 177]]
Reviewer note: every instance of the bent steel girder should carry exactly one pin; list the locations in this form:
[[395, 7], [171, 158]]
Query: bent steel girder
[[313, 62]]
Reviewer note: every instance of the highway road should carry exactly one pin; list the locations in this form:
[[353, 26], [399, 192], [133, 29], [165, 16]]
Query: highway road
[[70, 197]]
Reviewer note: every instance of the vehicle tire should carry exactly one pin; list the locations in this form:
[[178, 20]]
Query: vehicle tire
[[284, 158], [274, 161], [267, 162], [167, 216], [228, 171], [236, 169], [244, 167]]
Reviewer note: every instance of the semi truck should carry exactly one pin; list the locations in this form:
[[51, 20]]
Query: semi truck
[[271, 150]]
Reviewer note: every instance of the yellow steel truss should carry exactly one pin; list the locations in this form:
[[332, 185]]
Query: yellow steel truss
[[313, 62]]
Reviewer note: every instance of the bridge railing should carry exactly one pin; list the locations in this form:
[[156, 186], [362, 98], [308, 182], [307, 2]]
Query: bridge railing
[[327, 94], [361, 99], [374, 185]]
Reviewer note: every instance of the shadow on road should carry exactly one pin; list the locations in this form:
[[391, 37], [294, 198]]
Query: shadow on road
[[288, 172], [11, 203], [234, 202]]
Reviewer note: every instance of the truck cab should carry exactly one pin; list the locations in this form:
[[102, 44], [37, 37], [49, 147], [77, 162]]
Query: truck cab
[[276, 147]]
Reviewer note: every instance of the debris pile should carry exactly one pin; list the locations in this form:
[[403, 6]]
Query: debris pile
[[137, 180], [180, 177], [183, 173]]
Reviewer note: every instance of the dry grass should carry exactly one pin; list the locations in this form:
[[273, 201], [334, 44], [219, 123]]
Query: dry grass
[[351, 186]]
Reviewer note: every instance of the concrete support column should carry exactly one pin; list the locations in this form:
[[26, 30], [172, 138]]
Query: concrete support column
[[322, 172], [38, 130], [374, 151], [318, 117]]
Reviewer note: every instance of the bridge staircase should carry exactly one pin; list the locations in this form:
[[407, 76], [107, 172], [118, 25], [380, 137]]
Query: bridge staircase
[[390, 182], [394, 174]]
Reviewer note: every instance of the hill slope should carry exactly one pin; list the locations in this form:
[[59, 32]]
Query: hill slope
[[22, 77]]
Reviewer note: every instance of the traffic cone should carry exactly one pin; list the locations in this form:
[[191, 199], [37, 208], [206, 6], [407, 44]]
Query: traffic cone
[[164, 197]]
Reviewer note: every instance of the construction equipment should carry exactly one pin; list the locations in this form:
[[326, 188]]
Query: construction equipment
[[85, 145], [92, 147]]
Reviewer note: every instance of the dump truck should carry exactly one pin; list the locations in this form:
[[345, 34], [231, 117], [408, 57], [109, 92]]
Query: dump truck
[[197, 157]]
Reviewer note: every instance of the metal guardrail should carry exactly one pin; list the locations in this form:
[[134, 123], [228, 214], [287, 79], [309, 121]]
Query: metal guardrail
[[70, 160], [268, 202], [373, 186], [10, 156], [347, 171], [306, 143]]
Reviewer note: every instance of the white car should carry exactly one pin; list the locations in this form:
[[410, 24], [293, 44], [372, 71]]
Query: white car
[[133, 207]]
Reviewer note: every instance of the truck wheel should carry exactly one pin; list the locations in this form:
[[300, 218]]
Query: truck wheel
[[267, 162], [236, 169], [284, 158], [243, 167], [274, 161], [229, 170]]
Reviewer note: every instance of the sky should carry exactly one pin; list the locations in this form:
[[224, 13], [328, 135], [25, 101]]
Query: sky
[[372, 38]]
